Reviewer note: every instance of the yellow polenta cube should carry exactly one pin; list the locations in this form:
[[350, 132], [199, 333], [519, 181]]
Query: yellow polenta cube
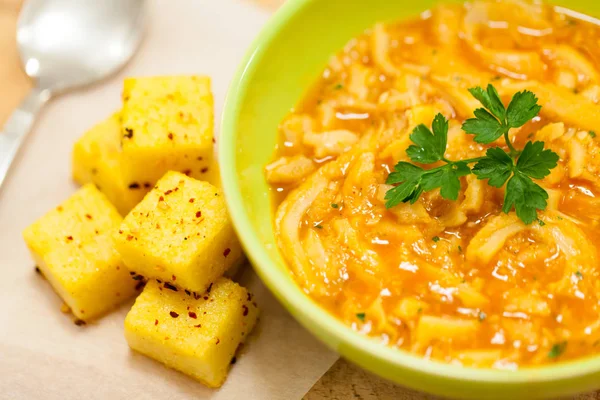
[[167, 125], [180, 233], [97, 159], [197, 335], [72, 245]]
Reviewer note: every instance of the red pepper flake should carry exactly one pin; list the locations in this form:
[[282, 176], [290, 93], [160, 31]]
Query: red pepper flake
[[59, 208], [254, 304], [245, 308], [198, 326], [205, 297], [120, 232], [174, 277], [188, 292], [147, 185], [200, 158], [168, 192], [198, 214], [174, 314], [204, 170], [213, 140], [187, 172], [159, 281], [192, 200], [82, 311], [138, 278], [161, 198], [134, 185], [118, 268], [157, 225], [69, 238], [38, 270], [128, 133], [155, 322], [96, 231], [233, 360], [176, 189], [170, 136], [79, 322], [170, 287], [88, 216], [226, 252], [129, 238], [209, 288], [192, 315], [248, 296], [218, 341], [196, 296], [132, 273], [140, 285]]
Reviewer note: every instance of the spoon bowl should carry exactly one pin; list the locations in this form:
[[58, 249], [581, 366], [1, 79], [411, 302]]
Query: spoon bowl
[[66, 44]]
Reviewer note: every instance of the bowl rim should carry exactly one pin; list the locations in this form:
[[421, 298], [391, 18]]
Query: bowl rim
[[290, 294]]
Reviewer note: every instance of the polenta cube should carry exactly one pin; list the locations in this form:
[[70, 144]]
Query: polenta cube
[[97, 159], [197, 335], [167, 125], [180, 233], [72, 245]]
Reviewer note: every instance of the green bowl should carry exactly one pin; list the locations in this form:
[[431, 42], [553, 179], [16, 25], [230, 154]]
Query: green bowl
[[281, 64]]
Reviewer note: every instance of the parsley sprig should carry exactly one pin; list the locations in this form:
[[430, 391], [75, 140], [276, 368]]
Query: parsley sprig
[[514, 168]]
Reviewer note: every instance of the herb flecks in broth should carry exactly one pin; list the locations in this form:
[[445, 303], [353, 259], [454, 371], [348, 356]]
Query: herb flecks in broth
[[498, 166]]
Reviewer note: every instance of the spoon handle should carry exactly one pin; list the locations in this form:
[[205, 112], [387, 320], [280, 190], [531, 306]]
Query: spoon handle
[[17, 126]]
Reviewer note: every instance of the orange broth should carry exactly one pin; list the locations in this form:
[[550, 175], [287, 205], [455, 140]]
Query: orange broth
[[461, 282]]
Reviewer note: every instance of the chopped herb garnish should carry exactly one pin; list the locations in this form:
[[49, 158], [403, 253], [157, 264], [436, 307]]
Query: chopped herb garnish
[[319, 226], [334, 205], [592, 134], [542, 223], [557, 350], [579, 275], [460, 249], [435, 239], [361, 316], [482, 316], [420, 310], [338, 86], [514, 168]]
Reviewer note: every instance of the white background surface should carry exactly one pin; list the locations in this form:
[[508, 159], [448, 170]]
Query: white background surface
[[43, 355]]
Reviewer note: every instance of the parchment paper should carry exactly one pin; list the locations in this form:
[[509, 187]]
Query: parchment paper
[[43, 355]]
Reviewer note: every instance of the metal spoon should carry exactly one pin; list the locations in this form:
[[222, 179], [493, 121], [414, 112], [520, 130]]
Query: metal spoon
[[66, 44]]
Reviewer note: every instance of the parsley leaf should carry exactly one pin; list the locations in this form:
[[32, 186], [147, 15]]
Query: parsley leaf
[[526, 196], [496, 167], [361, 316], [522, 108], [490, 100], [484, 126], [430, 146], [536, 162], [409, 189], [446, 178]]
